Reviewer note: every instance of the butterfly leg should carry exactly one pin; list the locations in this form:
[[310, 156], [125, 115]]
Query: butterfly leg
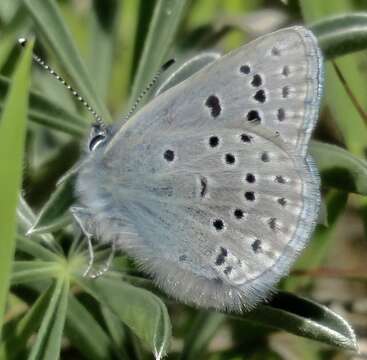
[[107, 264], [84, 220], [91, 258]]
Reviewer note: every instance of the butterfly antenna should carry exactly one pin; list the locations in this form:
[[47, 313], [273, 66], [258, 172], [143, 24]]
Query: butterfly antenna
[[155, 78], [98, 120]]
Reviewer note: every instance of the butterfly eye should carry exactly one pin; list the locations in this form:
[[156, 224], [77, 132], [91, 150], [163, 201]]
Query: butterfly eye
[[97, 136], [96, 141]]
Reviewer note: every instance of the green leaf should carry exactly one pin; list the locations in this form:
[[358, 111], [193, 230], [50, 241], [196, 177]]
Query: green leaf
[[48, 341], [144, 12], [103, 31], [25, 215], [15, 340], [144, 313], [26, 218], [46, 112], [25, 272], [53, 345], [342, 34], [340, 168], [163, 26], [6, 46], [116, 330], [12, 138], [352, 127], [51, 26], [303, 317], [202, 330], [54, 214], [8, 8], [34, 248], [85, 332]]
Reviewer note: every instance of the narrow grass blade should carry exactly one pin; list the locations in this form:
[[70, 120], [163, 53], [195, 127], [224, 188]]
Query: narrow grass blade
[[53, 346], [82, 329], [6, 46], [103, 30], [25, 272], [46, 112], [35, 249], [143, 16], [48, 318], [15, 340], [163, 26], [50, 25], [12, 137], [122, 72], [303, 317]]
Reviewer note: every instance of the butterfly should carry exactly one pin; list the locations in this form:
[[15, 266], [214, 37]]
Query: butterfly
[[210, 187]]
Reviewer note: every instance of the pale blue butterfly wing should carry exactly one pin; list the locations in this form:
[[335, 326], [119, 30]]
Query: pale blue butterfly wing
[[209, 187], [286, 65]]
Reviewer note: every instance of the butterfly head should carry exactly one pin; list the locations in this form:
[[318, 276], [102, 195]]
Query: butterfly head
[[98, 136]]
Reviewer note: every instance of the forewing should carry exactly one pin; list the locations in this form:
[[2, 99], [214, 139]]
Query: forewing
[[275, 80]]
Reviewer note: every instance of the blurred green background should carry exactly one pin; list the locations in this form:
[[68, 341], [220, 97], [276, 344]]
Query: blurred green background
[[109, 50]]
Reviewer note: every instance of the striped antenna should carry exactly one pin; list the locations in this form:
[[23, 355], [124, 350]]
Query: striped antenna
[[155, 78], [39, 61]]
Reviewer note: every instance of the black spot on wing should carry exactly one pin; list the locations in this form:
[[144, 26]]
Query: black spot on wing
[[253, 115], [285, 71], [245, 69], [218, 224], [280, 179], [221, 256], [250, 178], [260, 96], [246, 138], [256, 80], [265, 156], [238, 213], [213, 103], [230, 159], [249, 195], [285, 92], [275, 51], [256, 246], [282, 201], [273, 223], [204, 186], [169, 155], [281, 114], [213, 141]]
